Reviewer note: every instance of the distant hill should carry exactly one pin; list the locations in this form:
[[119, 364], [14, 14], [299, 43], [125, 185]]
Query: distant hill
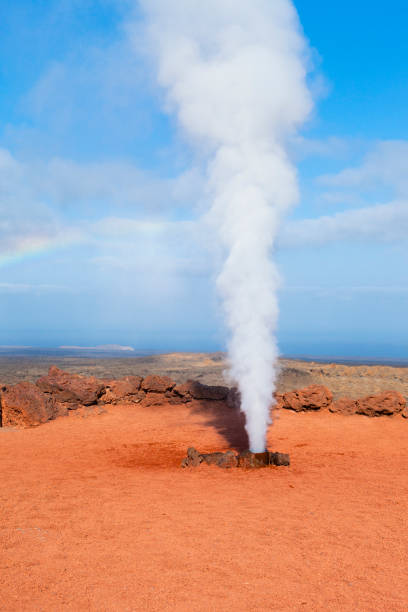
[[102, 347]]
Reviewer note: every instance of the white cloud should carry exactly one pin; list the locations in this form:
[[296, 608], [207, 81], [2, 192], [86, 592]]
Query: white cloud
[[344, 291], [386, 165], [151, 246], [25, 221], [45, 203], [129, 228], [62, 183], [383, 222], [116, 184], [33, 288]]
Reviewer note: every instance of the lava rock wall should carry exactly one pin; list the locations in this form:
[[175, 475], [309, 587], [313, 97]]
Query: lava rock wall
[[27, 405]]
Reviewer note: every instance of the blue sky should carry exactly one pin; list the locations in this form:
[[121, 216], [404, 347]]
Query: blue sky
[[101, 198]]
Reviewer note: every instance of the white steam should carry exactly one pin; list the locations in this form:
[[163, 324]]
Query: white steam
[[234, 73]]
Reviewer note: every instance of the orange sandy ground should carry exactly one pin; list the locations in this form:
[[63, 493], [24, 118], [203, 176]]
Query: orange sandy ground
[[97, 515]]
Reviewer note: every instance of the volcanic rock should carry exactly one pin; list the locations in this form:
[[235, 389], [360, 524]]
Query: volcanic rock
[[157, 384], [181, 393], [71, 390], [246, 459], [224, 460], [155, 399], [228, 460], [387, 403], [279, 459], [193, 390], [344, 405], [207, 392], [193, 458], [24, 405], [211, 458], [314, 397], [126, 390]]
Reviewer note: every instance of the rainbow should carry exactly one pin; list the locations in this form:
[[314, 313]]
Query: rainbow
[[29, 248]]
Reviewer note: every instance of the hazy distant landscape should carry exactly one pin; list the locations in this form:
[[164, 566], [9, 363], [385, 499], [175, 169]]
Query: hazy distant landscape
[[350, 378]]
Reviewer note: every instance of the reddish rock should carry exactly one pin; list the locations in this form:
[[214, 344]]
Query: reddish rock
[[124, 390], [344, 405], [279, 459], [212, 458], [182, 393], [387, 403], [193, 459], [155, 399], [247, 459], [24, 405], [278, 401], [157, 384], [227, 460], [174, 398], [404, 413], [222, 460], [71, 389], [314, 397]]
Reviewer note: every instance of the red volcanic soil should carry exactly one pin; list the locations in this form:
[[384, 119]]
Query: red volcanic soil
[[97, 515]]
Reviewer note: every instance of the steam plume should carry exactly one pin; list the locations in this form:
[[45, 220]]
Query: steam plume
[[234, 73]]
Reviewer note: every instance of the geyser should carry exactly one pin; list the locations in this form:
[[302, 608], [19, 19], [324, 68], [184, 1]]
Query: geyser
[[234, 74]]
